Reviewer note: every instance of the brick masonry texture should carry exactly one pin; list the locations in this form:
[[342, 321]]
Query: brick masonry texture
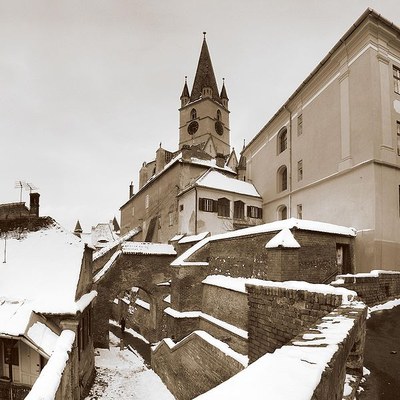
[[373, 290], [277, 315], [192, 367]]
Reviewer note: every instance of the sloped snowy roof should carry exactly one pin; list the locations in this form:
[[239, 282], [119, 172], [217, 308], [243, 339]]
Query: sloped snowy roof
[[216, 180], [284, 238], [265, 228], [43, 267]]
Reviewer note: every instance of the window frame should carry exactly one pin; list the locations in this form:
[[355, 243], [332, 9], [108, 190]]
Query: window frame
[[300, 124], [299, 170], [282, 140], [238, 209], [193, 114], [254, 212], [396, 79], [223, 207], [207, 205]]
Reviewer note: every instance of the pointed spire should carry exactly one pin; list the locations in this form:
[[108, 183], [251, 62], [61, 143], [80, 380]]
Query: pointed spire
[[78, 229], [205, 77], [223, 94], [185, 91]]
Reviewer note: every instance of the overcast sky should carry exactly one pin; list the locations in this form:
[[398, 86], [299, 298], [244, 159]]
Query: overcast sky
[[89, 88]]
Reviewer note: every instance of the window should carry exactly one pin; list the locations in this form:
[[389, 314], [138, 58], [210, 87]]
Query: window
[[396, 79], [218, 115], [193, 114], [282, 178], [238, 210], [84, 330], [282, 212], [208, 205], [147, 201], [11, 348], [223, 207], [300, 170], [398, 137], [254, 212], [282, 140], [299, 124], [180, 207], [299, 211]]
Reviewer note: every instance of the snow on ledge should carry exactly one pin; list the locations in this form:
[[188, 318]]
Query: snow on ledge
[[385, 306], [48, 382], [107, 266], [239, 285], [375, 273], [193, 238], [223, 347], [285, 239], [143, 304], [198, 314]]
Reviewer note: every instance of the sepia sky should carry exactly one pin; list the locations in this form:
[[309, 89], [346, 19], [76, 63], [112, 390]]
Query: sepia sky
[[89, 88]]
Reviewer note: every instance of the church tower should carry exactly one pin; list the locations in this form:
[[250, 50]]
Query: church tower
[[204, 114]]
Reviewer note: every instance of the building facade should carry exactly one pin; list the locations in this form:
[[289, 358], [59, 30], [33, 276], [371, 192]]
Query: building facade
[[332, 151]]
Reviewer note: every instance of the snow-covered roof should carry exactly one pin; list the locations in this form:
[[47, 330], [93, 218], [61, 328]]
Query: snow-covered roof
[[148, 248], [43, 268], [176, 237], [194, 238], [285, 239], [290, 223], [216, 180]]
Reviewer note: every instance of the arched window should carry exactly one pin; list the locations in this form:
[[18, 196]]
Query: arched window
[[282, 140], [238, 209], [218, 115], [282, 178], [193, 114], [282, 212]]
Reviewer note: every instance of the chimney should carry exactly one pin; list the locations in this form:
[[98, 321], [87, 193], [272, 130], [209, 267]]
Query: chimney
[[131, 190], [34, 204], [220, 160]]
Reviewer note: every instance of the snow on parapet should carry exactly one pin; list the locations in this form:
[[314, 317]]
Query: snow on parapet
[[217, 180], [43, 337], [176, 238], [239, 285], [107, 266], [223, 347], [122, 239], [193, 238], [285, 239], [290, 223], [148, 248], [48, 382]]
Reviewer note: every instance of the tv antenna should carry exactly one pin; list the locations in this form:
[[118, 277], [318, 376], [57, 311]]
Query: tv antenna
[[24, 185]]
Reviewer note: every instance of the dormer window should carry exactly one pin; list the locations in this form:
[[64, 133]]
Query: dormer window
[[193, 114], [218, 115]]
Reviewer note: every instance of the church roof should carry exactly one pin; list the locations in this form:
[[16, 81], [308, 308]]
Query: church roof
[[204, 76]]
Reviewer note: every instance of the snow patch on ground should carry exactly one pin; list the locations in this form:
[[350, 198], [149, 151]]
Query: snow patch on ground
[[123, 375]]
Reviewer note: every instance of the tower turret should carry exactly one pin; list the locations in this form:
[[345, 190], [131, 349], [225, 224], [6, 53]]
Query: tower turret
[[185, 96]]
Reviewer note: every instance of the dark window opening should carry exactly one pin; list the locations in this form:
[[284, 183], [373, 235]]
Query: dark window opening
[[238, 210], [223, 207]]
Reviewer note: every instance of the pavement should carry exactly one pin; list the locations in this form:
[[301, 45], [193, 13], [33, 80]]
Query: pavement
[[382, 356], [141, 347]]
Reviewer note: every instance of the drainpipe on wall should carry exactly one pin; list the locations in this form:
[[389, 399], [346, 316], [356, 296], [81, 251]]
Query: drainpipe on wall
[[290, 163], [195, 211]]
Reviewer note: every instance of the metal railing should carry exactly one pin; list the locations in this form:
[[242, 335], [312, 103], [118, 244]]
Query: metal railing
[[13, 391]]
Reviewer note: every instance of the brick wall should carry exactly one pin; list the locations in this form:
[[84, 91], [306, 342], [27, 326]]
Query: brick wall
[[277, 315], [373, 288], [192, 366]]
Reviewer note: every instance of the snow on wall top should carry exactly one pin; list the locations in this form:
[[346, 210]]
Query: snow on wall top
[[43, 267], [193, 238], [304, 362], [265, 228], [43, 337], [120, 240], [148, 248], [285, 239], [217, 180], [239, 285]]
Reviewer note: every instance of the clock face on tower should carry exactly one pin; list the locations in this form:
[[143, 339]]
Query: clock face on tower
[[219, 128], [192, 128]]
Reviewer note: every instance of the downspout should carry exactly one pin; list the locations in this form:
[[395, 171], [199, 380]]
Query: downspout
[[290, 162], [195, 211]]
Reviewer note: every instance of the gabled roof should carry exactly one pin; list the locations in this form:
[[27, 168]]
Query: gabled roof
[[204, 76], [212, 179], [43, 267]]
